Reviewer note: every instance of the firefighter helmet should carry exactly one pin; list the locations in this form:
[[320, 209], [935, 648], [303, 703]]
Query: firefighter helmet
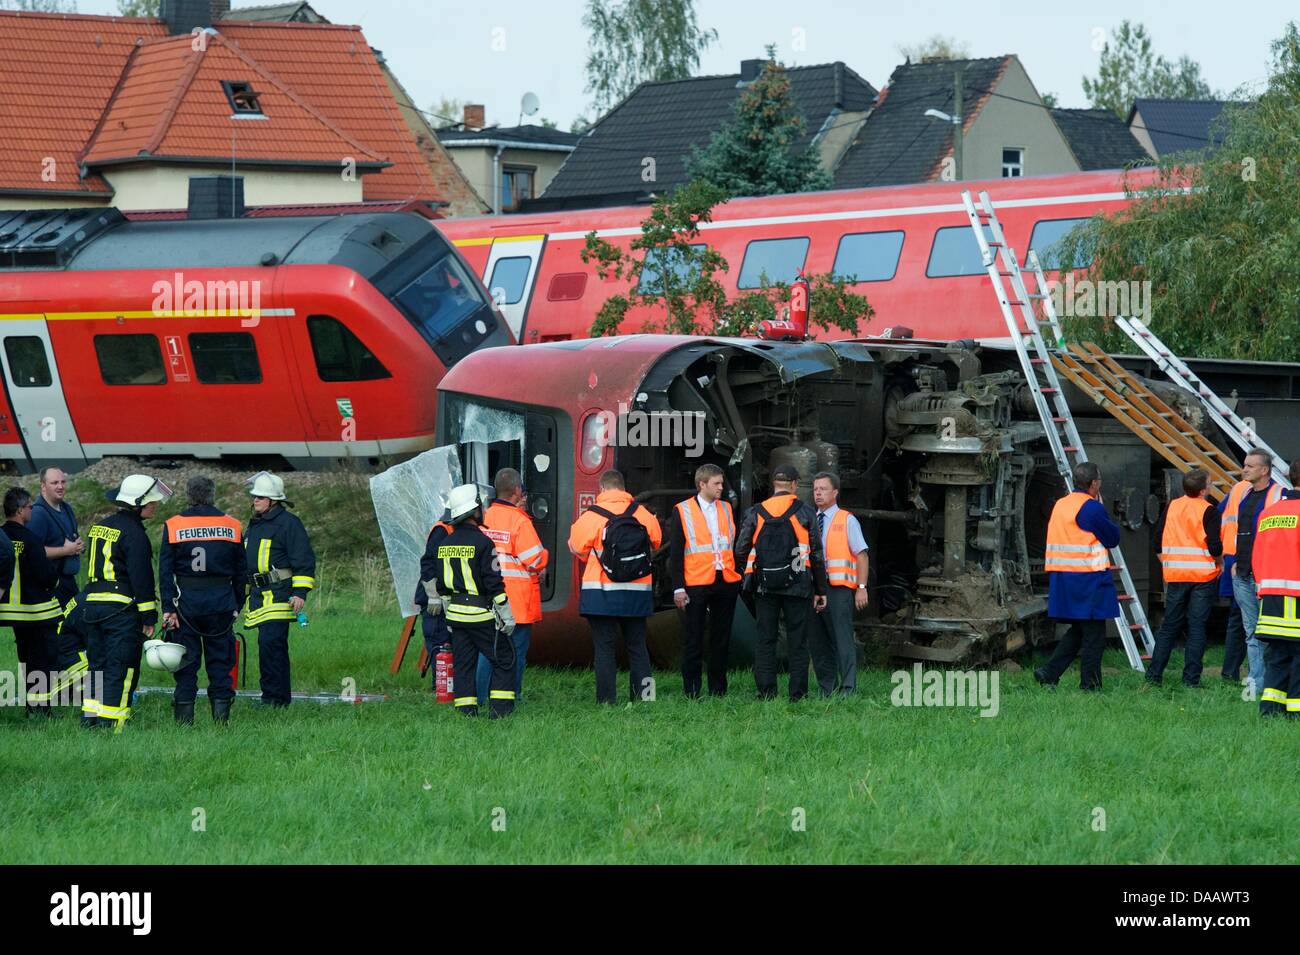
[[140, 489], [162, 655], [463, 501], [267, 485]]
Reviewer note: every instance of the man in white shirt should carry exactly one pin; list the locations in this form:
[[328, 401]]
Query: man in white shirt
[[830, 636], [701, 562]]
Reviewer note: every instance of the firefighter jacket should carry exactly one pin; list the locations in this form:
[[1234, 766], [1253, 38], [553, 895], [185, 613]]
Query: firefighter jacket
[[30, 598], [201, 563], [1277, 569], [429, 566], [120, 565], [602, 597], [468, 579], [522, 558], [694, 551], [806, 584], [1186, 551], [280, 565]]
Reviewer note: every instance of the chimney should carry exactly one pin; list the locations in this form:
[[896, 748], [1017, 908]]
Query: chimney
[[473, 116], [216, 197], [751, 70], [218, 10], [182, 16]]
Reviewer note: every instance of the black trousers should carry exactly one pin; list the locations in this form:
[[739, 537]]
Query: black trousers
[[831, 645], [207, 638], [38, 656], [468, 640], [769, 609], [1234, 643], [1085, 639], [114, 642], [604, 636], [273, 661], [1281, 692], [1185, 603], [714, 604]]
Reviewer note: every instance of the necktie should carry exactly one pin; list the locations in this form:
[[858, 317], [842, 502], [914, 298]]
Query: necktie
[[821, 523]]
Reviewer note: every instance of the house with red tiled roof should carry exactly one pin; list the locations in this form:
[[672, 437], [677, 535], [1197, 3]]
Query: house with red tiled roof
[[127, 110]]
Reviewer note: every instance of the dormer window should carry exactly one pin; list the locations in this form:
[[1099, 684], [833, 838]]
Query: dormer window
[[244, 100]]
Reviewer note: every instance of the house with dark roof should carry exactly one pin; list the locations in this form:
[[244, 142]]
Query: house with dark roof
[[640, 147], [1007, 130], [1165, 126], [506, 165], [1099, 139]]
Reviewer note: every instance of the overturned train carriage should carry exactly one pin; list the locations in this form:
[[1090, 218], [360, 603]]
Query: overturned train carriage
[[937, 446]]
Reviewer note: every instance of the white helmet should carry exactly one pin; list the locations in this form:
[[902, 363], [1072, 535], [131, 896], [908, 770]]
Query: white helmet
[[267, 485], [462, 501], [162, 655], [140, 489]]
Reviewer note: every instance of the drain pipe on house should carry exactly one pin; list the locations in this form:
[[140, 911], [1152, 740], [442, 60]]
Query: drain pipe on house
[[496, 180]]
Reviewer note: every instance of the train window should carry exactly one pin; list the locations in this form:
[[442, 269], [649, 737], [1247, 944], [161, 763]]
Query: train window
[[130, 359], [28, 366], [441, 298], [955, 252], [340, 355], [1046, 239], [776, 260], [868, 256], [509, 278], [225, 358], [655, 262], [567, 287]]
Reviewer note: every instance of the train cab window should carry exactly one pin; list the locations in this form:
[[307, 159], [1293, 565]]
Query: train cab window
[[130, 359], [1046, 238], [340, 355], [28, 366], [509, 278], [658, 260], [868, 256], [777, 260], [955, 252], [441, 298], [225, 358]]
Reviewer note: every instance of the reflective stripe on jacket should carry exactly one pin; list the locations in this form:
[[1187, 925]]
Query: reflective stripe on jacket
[[600, 595], [1070, 549], [1276, 562], [1184, 552], [1233, 507], [521, 555], [771, 510], [698, 556], [841, 564]]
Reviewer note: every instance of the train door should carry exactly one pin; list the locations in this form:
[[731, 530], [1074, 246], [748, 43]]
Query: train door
[[35, 393], [511, 274]]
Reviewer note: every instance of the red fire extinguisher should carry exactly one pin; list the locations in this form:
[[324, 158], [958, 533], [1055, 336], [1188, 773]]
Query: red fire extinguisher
[[442, 674], [794, 328]]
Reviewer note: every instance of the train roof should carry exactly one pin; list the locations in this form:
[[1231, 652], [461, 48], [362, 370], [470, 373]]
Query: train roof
[[104, 240]]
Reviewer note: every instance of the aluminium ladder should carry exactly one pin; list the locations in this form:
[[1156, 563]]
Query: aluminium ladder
[[1026, 330], [1228, 421]]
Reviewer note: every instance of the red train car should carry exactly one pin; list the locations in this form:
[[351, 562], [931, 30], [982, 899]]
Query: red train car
[[308, 338], [910, 247]]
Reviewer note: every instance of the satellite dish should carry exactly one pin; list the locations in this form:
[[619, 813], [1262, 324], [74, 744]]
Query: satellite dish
[[530, 104]]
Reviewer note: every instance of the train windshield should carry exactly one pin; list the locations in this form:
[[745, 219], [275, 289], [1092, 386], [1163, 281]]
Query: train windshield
[[441, 298]]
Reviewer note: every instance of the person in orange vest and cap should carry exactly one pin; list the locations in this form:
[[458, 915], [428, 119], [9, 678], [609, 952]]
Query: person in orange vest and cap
[[523, 560], [1081, 592], [1277, 570], [702, 565], [1190, 549]]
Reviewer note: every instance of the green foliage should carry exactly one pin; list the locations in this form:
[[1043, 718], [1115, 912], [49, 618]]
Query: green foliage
[[138, 8], [1049, 100], [754, 153], [1222, 260], [448, 110], [1128, 69], [935, 49], [667, 273], [639, 41]]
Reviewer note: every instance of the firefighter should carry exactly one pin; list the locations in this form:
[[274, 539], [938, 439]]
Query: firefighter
[[433, 625], [473, 598], [29, 604], [281, 572], [830, 640], [201, 586], [1241, 509], [523, 561], [71, 644], [617, 532], [1190, 549], [1276, 561], [121, 609], [702, 565], [1081, 592], [782, 555]]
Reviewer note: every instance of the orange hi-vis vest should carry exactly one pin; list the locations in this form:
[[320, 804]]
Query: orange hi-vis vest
[[215, 527], [699, 557], [522, 558], [1071, 549], [771, 510], [841, 565], [1184, 554], [1276, 560], [1235, 497]]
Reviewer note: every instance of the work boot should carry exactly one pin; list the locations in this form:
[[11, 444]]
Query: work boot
[[184, 712], [221, 710]]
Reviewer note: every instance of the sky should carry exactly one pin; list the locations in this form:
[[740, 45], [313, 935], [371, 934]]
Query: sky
[[493, 53]]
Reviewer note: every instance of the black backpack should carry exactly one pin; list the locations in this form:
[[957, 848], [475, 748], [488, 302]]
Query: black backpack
[[625, 552], [775, 550]]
